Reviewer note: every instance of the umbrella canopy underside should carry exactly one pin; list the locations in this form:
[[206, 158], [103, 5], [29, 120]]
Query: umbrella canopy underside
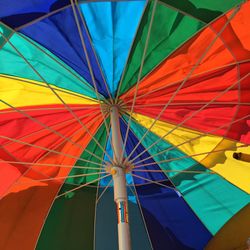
[[177, 71]]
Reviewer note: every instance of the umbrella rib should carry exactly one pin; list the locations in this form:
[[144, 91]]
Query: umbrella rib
[[142, 215], [126, 64], [194, 113], [89, 64], [55, 89], [140, 72], [200, 136], [56, 94], [168, 56], [159, 182], [81, 175], [156, 163], [50, 165], [90, 153], [42, 17], [29, 109], [22, 175], [238, 75], [59, 178], [169, 236], [97, 190], [7, 38], [181, 11], [46, 149], [92, 74], [56, 11], [47, 54], [238, 72], [175, 189], [52, 130], [185, 80], [55, 125], [74, 184], [150, 164], [86, 150], [25, 172], [46, 127], [175, 83], [208, 25], [173, 171], [81, 186], [105, 189], [87, 32], [188, 156], [73, 4], [191, 104]]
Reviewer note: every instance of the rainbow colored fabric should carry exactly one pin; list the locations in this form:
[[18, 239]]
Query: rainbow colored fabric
[[178, 70]]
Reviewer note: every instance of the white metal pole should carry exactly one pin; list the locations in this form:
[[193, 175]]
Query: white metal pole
[[119, 178]]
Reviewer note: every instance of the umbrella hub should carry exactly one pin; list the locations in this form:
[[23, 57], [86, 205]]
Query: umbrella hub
[[110, 105]]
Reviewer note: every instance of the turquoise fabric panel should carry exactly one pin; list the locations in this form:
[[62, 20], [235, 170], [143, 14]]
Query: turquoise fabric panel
[[112, 29], [50, 67], [212, 198]]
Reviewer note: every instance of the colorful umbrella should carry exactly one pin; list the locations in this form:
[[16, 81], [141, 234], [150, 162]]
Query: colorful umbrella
[[141, 102]]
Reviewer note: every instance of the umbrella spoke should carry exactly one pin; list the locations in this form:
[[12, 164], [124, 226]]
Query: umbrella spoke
[[58, 96], [59, 178], [85, 26], [42, 17], [185, 80], [29, 109], [75, 8], [46, 127], [54, 88], [47, 54], [191, 104], [74, 4], [47, 149], [64, 177], [139, 74], [90, 153], [52, 13], [141, 212], [135, 169], [172, 171], [193, 114], [126, 64], [90, 68], [51, 165], [159, 182], [238, 72], [140, 141], [198, 137], [23, 174], [104, 190], [178, 82], [97, 191], [81, 186], [62, 136], [186, 156]]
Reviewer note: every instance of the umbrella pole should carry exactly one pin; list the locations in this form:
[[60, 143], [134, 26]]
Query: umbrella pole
[[119, 178]]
